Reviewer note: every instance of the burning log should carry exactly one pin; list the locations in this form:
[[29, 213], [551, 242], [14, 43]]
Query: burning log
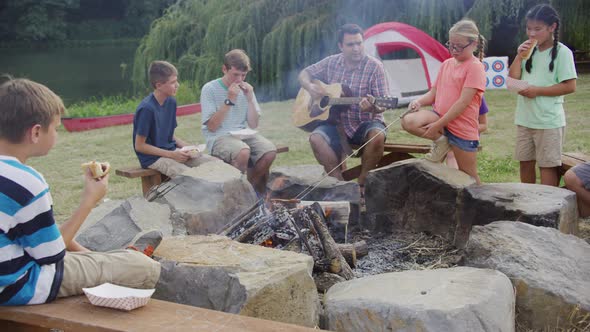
[[352, 251], [330, 248]]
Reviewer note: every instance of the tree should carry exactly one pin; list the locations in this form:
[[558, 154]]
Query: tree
[[282, 37], [35, 20]]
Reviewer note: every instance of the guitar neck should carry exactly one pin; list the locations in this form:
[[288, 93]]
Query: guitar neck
[[345, 101]]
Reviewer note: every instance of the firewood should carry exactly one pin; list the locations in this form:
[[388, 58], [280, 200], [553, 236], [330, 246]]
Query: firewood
[[339, 211], [331, 251], [360, 247]]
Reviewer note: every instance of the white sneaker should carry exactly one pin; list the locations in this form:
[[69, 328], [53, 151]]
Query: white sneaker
[[439, 150]]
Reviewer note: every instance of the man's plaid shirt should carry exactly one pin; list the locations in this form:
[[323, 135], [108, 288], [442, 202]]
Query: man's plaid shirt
[[367, 78]]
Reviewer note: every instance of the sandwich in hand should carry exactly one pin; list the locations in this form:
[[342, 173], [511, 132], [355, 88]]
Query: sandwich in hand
[[527, 54], [98, 169]]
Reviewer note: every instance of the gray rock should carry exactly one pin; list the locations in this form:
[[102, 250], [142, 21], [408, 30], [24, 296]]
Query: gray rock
[[418, 195], [415, 195], [550, 270], [290, 182], [533, 204], [117, 228], [216, 273], [456, 299], [206, 198]]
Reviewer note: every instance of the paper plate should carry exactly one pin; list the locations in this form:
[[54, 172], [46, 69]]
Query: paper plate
[[118, 297], [243, 133]]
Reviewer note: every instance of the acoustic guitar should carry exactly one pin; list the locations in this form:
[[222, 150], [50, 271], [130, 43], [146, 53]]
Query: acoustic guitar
[[309, 113]]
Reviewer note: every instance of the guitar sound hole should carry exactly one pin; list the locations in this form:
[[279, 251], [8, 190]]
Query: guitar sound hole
[[315, 111], [324, 101]]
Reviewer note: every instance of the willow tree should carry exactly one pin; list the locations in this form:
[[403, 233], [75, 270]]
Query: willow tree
[[282, 37]]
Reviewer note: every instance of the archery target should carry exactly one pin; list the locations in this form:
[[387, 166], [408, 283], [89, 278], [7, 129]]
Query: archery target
[[496, 69]]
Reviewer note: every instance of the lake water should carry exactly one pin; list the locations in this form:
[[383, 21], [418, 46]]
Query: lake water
[[74, 73]]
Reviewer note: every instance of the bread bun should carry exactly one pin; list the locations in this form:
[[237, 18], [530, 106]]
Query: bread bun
[[527, 54], [98, 169]]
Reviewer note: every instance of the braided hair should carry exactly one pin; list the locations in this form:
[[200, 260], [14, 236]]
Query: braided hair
[[548, 15]]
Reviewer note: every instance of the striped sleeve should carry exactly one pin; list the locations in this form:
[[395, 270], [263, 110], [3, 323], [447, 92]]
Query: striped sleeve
[[30, 241]]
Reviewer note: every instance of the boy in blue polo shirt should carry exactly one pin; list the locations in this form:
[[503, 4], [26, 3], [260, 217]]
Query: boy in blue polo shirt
[[154, 122]]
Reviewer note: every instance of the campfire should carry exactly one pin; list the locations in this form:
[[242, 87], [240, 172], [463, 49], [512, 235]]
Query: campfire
[[311, 228]]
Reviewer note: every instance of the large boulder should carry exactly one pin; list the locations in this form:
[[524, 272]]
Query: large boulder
[[216, 273], [205, 199], [418, 195], [415, 195], [456, 299], [550, 270], [533, 204], [115, 229], [310, 183]]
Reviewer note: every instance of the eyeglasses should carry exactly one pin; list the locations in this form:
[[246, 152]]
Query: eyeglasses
[[456, 48]]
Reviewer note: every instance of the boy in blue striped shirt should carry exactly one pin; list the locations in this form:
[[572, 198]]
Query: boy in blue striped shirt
[[39, 261]]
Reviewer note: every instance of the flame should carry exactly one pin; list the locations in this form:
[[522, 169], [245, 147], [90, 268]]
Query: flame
[[267, 243], [328, 211]]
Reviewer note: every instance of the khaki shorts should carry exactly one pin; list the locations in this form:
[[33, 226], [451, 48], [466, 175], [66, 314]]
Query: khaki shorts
[[172, 168], [127, 268], [542, 145], [227, 147]]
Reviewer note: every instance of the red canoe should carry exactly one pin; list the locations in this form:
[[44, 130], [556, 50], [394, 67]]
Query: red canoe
[[81, 124]]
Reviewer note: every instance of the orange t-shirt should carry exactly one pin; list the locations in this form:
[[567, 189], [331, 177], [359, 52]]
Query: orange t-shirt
[[451, 80]]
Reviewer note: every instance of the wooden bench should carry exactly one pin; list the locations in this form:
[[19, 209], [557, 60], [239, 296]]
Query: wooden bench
[[151, 177], [392, 153], [77, 314], [571, 159]]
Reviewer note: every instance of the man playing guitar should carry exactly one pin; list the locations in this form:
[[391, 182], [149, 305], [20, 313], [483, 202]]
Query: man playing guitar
[[365, 77]]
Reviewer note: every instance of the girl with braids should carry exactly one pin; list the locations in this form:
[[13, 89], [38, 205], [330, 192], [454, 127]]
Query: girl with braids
[[540, 118], [456, 97]]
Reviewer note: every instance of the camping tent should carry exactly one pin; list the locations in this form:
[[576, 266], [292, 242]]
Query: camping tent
[[411, 58]]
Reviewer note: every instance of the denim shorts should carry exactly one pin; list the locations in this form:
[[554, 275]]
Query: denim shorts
[[463, 144], [330, 134]]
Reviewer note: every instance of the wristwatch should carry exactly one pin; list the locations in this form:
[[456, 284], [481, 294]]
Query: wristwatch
[[228, 102]]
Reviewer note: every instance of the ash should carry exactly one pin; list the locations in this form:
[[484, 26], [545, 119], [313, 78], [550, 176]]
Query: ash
[[404, 251]]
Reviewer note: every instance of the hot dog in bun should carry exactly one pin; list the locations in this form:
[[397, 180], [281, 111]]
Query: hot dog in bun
[[98, 169], [527, 54]]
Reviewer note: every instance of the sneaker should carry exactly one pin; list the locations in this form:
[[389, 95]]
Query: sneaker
[[439, 150], [146, 242]]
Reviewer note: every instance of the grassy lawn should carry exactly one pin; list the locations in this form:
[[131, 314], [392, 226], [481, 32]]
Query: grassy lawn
[[61, 167]]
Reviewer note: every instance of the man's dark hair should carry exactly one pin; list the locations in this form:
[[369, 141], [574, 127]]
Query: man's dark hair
[[348, 29]]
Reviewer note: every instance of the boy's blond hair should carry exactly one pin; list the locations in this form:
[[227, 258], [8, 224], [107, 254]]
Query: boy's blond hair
[[23, 104], [468, 29], [237, 59], [161, 71]]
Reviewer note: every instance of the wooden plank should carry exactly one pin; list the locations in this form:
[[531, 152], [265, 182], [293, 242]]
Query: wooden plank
[[135, 172], [571, 159], [77, 314]]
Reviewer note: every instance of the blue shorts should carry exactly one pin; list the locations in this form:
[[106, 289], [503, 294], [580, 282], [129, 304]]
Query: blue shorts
[[330, 134], [463, 144], [582, 171]]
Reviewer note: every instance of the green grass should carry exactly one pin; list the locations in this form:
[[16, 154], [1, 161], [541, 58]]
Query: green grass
[[115, 105], [62, 170]]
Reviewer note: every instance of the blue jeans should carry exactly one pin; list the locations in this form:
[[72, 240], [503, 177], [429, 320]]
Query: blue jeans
[[463, 144], [330, 134]]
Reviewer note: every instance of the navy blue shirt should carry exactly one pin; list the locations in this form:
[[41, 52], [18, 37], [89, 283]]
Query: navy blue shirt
[[157, 123]]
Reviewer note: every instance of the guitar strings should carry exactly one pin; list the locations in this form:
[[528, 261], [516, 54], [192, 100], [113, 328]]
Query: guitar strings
[[309, 189]]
